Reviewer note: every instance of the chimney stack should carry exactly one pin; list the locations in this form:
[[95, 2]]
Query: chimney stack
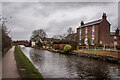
[[117, 31], [82, 23], [104, 16]]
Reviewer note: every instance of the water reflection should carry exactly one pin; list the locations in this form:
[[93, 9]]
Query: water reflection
[[55, 65]]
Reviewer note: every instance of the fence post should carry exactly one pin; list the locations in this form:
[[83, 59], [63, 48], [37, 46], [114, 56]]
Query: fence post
[[115, 47], [88, 47], [95, 48], [104, 47]]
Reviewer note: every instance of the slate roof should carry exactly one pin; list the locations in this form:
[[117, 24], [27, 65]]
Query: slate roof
[[91, 23], [71, 35], [50, 39]]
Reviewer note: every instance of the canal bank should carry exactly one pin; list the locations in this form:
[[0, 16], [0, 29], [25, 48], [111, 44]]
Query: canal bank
[[25, 67], [92, 55]]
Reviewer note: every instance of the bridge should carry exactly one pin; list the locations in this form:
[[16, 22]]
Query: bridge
[[25, 43]]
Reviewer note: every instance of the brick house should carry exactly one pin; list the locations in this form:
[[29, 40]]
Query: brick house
[[97, 32], [35, 40], [115, 37]]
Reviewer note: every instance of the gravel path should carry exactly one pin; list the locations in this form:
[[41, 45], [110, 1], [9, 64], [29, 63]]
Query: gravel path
[[9, 65]]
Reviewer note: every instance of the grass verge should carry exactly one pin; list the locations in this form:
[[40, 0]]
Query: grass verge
[[97, 50], [25, 68]]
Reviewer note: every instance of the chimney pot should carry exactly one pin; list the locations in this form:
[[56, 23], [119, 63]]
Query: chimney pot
[[82, 23], [104, 16], [117, 31]]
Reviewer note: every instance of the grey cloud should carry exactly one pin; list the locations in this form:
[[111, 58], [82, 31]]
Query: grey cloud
[[119, 14], [61, 27], [28, 16]]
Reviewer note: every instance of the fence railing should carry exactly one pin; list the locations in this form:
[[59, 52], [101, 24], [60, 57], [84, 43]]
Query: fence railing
[[104, 48]]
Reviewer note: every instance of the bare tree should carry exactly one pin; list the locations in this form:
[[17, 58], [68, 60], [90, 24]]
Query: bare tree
[[55, 37], [40, 32], [61, 37], [70, 31], [6, 40]]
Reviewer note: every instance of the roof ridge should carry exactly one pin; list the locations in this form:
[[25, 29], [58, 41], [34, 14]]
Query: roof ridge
[[93, 21]]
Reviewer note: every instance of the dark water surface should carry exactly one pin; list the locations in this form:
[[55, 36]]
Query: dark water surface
[[55, 65]]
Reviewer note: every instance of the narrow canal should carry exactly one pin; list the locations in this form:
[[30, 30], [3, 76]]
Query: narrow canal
[[55, 65]]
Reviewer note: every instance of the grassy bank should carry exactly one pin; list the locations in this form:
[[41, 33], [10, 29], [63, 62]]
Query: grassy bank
[[97, 50], [25, 67]]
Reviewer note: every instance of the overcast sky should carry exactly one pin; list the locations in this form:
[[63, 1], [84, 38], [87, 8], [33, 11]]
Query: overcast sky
[[54, 17]]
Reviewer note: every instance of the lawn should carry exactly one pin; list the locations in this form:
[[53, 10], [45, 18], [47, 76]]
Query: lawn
[[25, 68], [97, 50]]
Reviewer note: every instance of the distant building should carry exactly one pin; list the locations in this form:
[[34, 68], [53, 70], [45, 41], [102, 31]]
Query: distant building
[[50, 40], [35, 40], [71, 37], [98, 32], [115, 37]]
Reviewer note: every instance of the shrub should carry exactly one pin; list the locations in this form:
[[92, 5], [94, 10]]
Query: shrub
[[100, 45], [82, 41], [67, 48], [73, 44]]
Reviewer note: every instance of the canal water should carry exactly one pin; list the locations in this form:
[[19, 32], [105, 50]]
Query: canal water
[[56, 65]]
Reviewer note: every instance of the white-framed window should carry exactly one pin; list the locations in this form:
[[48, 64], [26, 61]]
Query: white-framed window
[[93, 34], [92, 41], [115, 37], [86, 32], [93, 31], [79, 43], [33, 43], [86, 41], [80, 33], [93, 28], [100, 42], [115, 42]]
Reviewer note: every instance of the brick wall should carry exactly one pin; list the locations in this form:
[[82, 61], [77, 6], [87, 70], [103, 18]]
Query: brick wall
[[59, 46], [104, 32], [96, 41], [117, 40], [78, 34]]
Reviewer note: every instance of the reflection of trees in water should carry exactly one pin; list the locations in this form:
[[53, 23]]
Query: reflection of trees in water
[[95, 69], [87, 68], [35, 56]]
